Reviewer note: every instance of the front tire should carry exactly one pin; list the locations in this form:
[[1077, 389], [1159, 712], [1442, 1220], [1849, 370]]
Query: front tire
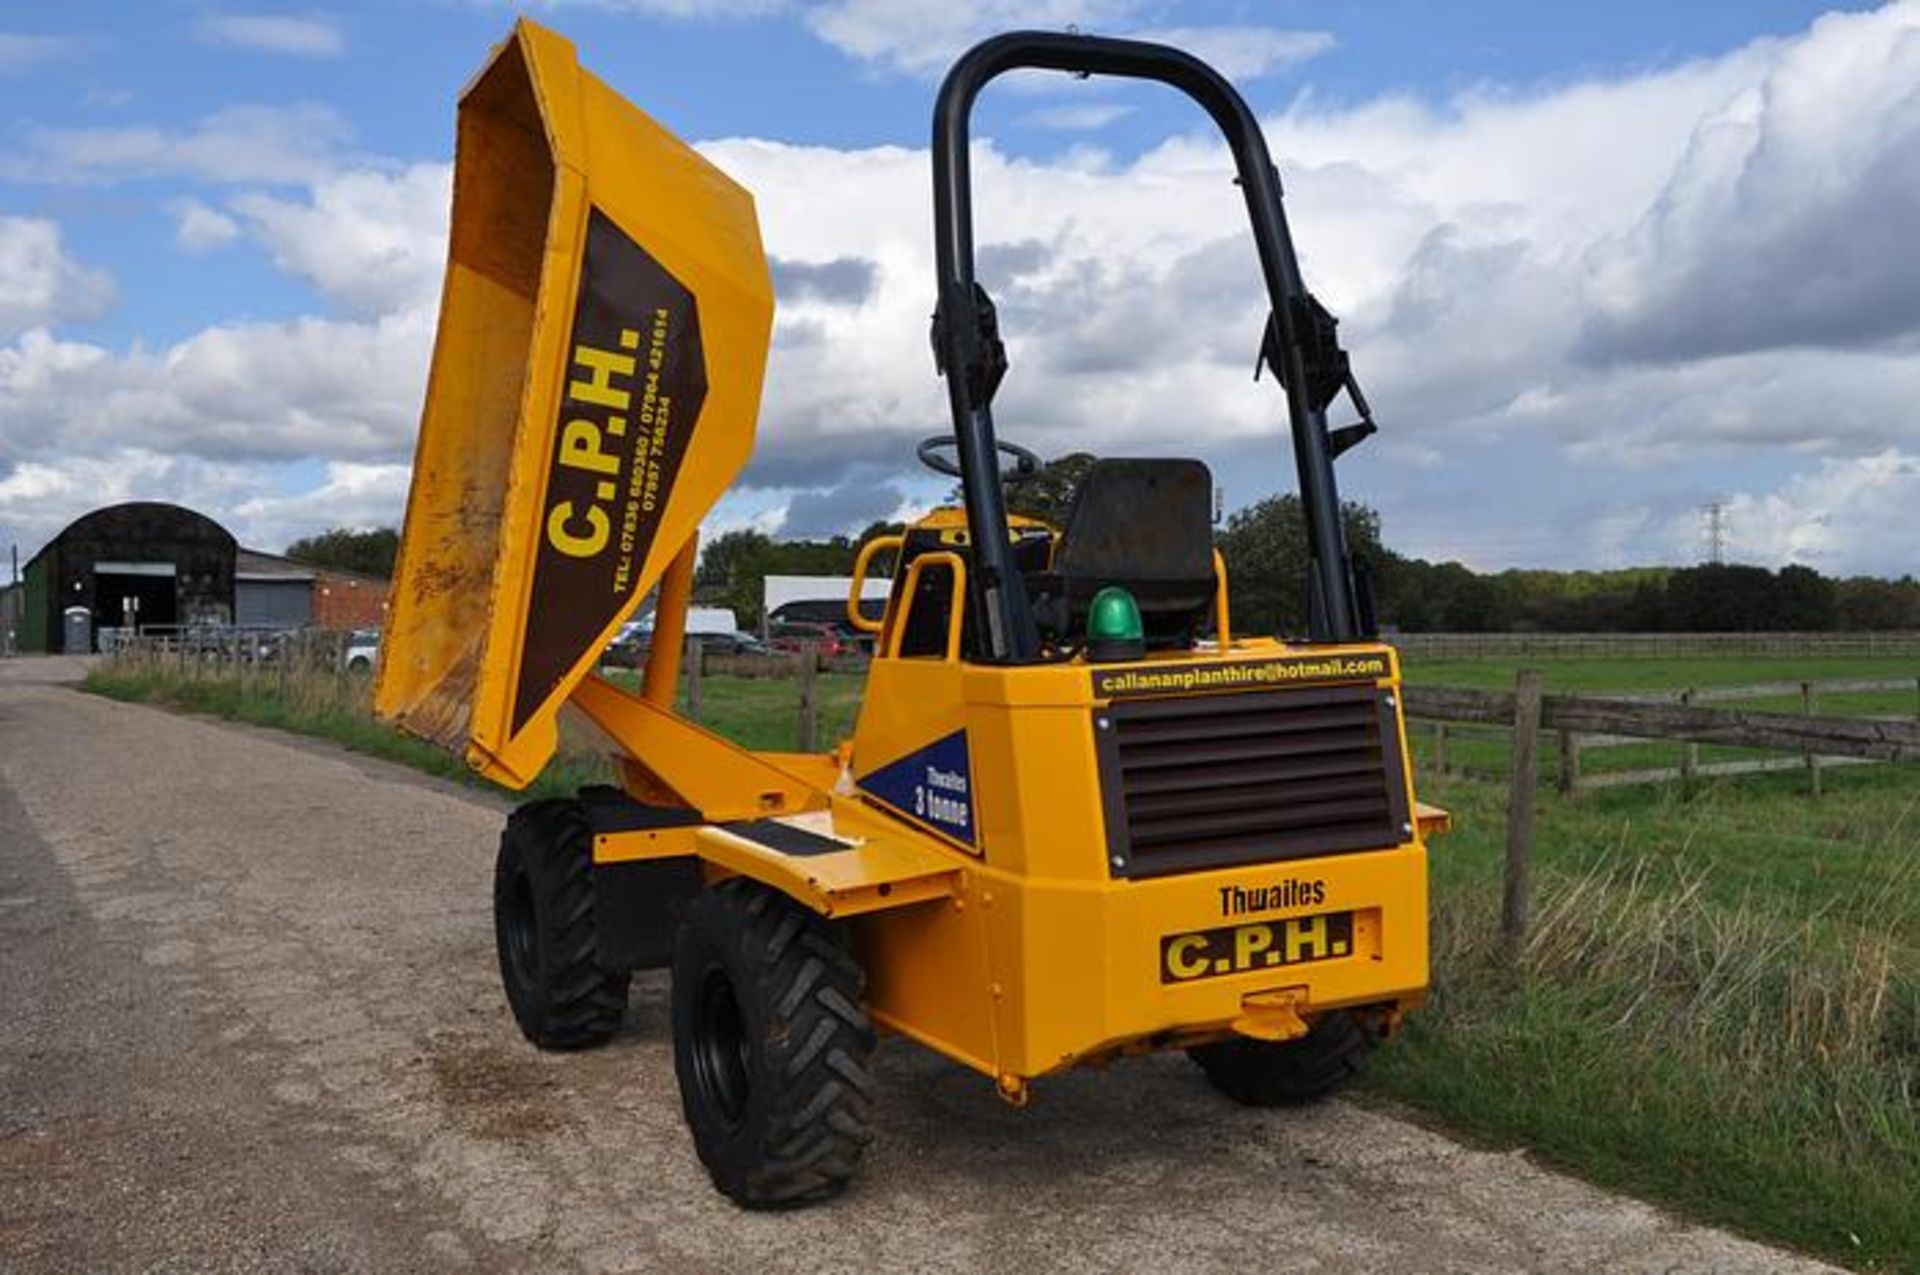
[[560, 995], [1262, 1073], [771, 1043]]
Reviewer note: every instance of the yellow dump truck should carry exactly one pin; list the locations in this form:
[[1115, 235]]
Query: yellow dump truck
[[1080, 816]]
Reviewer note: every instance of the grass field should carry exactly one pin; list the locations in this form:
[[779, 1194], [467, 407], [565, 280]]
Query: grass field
[[1719, 1005], [763, 712]]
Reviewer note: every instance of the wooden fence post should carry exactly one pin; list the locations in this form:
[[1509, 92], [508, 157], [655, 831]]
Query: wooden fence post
[[1517, 894], [1569, 763], [694, 671], [809, 665], [1690, 753], [1813, 758]]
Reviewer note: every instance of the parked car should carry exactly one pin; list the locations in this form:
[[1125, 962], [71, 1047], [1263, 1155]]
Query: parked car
[[628, 649], [363, 650], [793, 637], [631, 648], [815, 613], [735, 644]]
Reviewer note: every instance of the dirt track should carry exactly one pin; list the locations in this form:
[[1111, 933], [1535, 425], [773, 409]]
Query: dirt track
[[251, 1023]]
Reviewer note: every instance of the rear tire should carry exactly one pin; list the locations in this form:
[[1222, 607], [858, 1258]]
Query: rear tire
[[561, 996], [1263, 1073], [771, 1043]]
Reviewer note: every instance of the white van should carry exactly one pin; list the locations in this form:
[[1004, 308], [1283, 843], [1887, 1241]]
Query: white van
[[701, 622]]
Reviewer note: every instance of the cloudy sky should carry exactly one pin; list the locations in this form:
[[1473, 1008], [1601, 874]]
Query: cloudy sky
[[1597, 265]]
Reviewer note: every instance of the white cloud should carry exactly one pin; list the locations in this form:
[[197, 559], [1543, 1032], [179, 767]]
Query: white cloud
[[719, 9], [20, 53], [352, 495], [228, 417], [1481, 254], [235, 393], [1243, 52], [1088, 265], [376, 241], [1846, 515], [1450, 242], [295, 35], [264, 506], [238, 145], [1790, 219], [922, 37], [199, 228], [1080, 117], [38, 498], [1468, 249], [39, 282]]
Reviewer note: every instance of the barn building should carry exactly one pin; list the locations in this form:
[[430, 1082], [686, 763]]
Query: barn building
[[141, 563], [149, 565]]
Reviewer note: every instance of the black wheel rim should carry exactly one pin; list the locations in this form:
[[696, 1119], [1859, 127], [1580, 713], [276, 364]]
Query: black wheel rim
[[523, 931], [720, 1048]]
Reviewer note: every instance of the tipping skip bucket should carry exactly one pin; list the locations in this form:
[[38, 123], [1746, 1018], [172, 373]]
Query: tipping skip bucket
[[596, 376]]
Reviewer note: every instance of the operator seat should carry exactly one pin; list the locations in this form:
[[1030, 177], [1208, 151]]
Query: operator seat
[[1145, 525]]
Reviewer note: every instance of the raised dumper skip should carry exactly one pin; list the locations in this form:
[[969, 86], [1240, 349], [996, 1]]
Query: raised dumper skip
[[1060, 832]]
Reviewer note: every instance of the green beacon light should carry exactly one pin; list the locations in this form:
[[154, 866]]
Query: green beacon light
[[1113, 626]]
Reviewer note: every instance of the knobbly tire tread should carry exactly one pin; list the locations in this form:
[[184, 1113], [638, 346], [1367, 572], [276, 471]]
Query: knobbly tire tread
[[1260, 1073], [801, 995], [571, 1001]]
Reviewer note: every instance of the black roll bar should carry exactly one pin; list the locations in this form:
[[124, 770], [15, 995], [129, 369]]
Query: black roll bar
[[967, 347]]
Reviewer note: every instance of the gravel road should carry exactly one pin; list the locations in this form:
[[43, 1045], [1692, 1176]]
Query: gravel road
[[251, 1023]]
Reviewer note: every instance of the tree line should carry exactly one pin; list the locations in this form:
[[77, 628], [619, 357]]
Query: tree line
[[1265, 546], [369, 552]]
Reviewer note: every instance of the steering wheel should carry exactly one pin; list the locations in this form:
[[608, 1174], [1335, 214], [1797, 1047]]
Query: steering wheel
[[1025, 463]]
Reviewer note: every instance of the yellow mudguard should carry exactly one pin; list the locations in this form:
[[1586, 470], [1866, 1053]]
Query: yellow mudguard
[[603, 337]]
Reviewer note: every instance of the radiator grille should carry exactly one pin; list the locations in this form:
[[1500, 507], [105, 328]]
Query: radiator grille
[[1219, 780]]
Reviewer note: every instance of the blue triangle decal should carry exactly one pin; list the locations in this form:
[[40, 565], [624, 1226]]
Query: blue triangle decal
[[933, 784]]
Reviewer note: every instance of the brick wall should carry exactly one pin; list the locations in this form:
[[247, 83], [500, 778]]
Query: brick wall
[[345, 601]]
